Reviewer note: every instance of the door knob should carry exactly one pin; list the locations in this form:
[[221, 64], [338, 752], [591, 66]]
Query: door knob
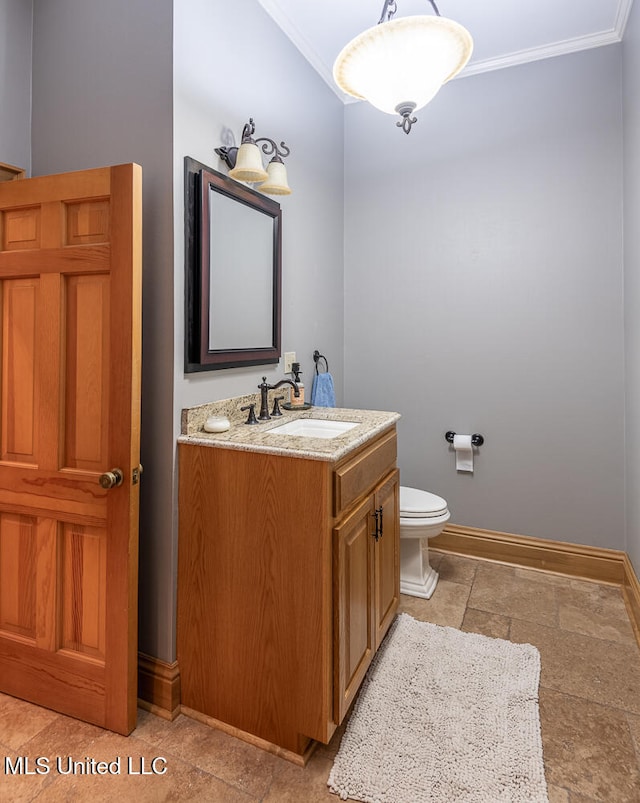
[[111, 479]]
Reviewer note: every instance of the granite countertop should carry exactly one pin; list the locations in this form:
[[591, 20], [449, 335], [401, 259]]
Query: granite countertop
[[257, 438]]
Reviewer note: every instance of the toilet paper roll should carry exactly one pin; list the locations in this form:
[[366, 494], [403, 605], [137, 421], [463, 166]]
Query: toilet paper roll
[[464, 452]]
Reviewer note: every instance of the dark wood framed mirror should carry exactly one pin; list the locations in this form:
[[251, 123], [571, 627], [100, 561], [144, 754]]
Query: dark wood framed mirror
[[233, 256]]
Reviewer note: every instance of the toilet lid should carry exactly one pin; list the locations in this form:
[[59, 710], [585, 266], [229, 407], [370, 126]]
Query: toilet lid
[[415, 503]]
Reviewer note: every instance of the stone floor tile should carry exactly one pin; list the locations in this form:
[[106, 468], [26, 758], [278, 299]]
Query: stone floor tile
[[18, 788], [634, 727], [497, 589], [446, 606], [594, 610], [588, 749], [604, 672], [179, 782], [151, 728], [63, 736], [455, 568], [20, 721], [487, 624], [74, 735], [557, 795], [234, 761], [295, 784]]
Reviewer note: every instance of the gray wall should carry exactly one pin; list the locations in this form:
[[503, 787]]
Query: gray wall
[[102, 94], [232, 62], [483, 286], [15, 82], [631, 99]]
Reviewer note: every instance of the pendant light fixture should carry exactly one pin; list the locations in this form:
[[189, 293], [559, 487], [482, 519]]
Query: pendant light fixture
[[400, 64], [246, 162]]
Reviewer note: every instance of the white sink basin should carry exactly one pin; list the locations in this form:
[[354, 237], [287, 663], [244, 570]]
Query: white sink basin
[[313, 428]]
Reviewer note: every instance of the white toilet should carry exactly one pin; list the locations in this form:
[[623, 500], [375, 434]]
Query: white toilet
[[422, 516]]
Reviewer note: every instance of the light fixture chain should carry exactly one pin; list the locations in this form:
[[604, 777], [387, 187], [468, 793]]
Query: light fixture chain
[[388, 10], [390, 7]]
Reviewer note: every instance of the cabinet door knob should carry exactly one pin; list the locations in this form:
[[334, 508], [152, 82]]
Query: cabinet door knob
[[379, 512]]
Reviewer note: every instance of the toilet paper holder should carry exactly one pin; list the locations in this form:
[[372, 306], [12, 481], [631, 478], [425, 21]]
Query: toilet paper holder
[[476, 440]]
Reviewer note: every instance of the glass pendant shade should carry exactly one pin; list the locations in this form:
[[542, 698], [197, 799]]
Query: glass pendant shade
[[403, 61], [276, 183], [248, 165]]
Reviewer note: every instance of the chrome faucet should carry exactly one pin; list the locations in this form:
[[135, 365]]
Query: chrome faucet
[[264, 388]]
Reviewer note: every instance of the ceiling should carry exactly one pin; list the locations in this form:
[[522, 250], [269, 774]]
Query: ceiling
[[505, 32]]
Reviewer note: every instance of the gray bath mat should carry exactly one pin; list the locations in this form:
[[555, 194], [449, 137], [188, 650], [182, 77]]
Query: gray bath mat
[[444, 716]]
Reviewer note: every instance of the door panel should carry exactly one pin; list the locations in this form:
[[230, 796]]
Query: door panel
[[83, 589], [19, 302], [86, 413], [21, 229], [70, 270], [18, 554]]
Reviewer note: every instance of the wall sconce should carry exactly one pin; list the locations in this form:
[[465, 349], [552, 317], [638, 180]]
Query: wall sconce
[[245, 162]]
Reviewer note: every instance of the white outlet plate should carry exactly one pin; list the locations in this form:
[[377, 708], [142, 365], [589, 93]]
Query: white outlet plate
[[289, 358]]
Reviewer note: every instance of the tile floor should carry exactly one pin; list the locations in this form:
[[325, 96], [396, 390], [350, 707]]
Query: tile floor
[[589, 706]]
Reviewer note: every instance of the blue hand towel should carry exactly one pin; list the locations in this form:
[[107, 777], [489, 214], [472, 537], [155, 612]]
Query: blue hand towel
[[322, 392]]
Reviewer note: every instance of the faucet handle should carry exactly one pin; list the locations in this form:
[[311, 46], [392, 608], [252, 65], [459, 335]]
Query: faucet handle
[[251, 419], [276, 407]]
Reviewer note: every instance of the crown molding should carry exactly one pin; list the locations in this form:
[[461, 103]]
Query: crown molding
[[561, 48], [613, 36], [539, 53], [622, 17]]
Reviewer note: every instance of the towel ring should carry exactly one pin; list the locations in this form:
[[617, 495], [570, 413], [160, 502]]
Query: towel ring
[[317, 356]]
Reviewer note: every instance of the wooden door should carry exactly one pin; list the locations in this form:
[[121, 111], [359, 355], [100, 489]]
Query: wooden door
[[386, 584], [354, 633], [70, 274]]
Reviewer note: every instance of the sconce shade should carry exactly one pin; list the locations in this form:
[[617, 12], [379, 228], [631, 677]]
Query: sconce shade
[[276, 183], [403, 61], [248, 164]]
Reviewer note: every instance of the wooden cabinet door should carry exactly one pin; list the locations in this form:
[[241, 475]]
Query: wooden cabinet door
[[387, 555], [70, 293], [354, 630]]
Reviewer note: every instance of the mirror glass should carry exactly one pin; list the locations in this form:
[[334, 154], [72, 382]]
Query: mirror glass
[[240, 275], [233, 270]]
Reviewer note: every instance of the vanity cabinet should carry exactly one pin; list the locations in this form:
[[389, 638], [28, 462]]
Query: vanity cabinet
[[284, 590]]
